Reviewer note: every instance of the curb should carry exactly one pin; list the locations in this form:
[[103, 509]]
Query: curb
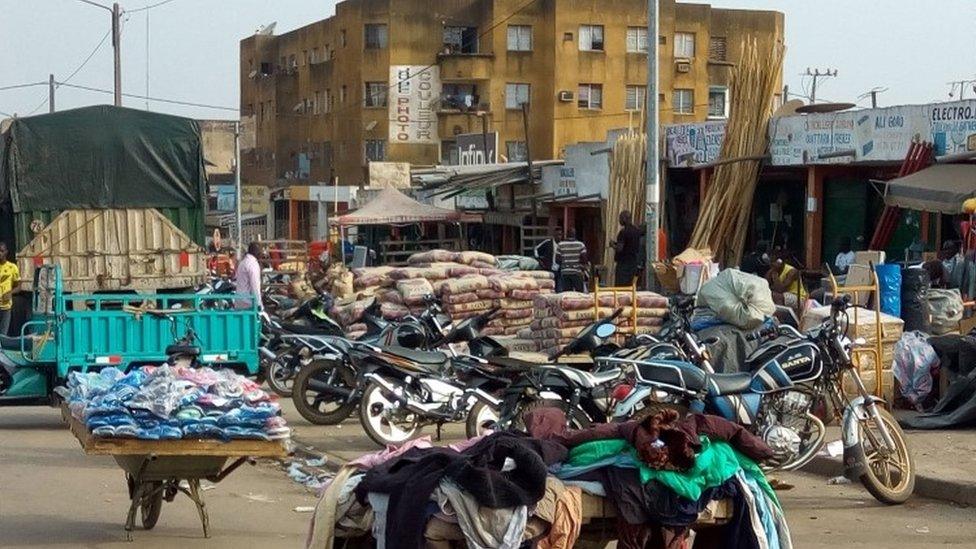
[[961, 493]]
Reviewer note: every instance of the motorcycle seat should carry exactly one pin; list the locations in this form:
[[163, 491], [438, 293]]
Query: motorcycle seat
[[587, 379], [429, 358], [511, 364], [729, 384], [674, 373], [13, 343], [302, 329]]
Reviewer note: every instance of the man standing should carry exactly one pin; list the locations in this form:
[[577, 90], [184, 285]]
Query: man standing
[[626, 251], [545, 252], [248, 279], [571, 256], [845, 258], [9, 280]]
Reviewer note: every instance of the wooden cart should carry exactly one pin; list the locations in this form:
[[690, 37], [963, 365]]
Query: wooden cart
[[158, 470]]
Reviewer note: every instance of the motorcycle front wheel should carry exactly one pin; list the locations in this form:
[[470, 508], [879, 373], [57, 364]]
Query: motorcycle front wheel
[[322, 392], [889, 475], [280, 376], [384, 423]]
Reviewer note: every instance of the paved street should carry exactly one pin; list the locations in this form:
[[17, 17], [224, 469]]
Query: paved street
[[55, 496]]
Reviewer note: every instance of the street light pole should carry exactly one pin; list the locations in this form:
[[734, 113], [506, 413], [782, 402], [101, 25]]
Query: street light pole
[[652, 189], [116, 12], [237, 190]]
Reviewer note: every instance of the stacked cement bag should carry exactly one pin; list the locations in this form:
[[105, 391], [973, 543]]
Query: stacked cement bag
[[558, 318], [514, 294]]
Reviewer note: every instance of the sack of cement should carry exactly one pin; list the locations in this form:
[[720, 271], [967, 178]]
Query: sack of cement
[[739, 298]]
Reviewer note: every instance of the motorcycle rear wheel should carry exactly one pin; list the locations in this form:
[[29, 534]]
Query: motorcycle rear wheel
[[309, 402], [481, 418], [384, 428], [879, 478]]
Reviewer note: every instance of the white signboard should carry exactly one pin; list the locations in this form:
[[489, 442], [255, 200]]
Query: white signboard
[[690, 144], [567, 182], [414, 90]]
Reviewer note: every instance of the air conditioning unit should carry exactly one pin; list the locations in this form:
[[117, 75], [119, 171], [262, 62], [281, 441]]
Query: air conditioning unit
[[565, 96], [682, 65]]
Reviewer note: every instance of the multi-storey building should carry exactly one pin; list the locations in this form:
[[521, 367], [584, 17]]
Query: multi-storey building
[[397, 80]]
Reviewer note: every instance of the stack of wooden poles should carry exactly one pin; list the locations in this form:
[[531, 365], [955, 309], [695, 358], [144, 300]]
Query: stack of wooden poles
[[723, 221], [627, 187]]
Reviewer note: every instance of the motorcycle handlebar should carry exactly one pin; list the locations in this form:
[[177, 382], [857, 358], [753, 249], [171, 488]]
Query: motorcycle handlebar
[[762, 333]]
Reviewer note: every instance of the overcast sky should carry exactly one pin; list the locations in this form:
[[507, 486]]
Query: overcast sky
[[912, 47]]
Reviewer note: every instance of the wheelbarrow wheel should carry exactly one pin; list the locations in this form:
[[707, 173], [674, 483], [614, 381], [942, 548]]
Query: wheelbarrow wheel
[[152, 505]]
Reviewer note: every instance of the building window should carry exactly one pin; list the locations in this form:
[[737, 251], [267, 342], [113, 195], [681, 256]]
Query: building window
[[591, 38], [636, 39], [590, 96], [449, 153], [304, 57], [342, 95], [717, 48], [316, 103], [718, 102], [636, 98], [265, 69], [515, 95], [327, 100], [516, 151], [375, 150], [460, 39], [684, 45], [292, 62], [376, 94], [375, 36], [459, 96], [684, 101], [342, 37], [315, 56], [519, 38]]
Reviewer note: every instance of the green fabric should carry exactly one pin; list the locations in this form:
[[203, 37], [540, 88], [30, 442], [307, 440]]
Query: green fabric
[[716, 463], [102, 157]]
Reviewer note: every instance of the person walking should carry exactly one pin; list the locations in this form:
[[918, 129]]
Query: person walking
[[626, 251], [571, 256], [9, 280], [248, 277], [545, 252]]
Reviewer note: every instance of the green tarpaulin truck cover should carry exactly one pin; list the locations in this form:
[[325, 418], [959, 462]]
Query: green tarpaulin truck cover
[[101, 157]]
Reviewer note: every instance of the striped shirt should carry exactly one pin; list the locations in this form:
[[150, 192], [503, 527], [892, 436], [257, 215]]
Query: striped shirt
[[570, 253]]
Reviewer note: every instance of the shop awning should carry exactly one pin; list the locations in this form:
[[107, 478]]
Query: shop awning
[[391, 207], [940, 188]]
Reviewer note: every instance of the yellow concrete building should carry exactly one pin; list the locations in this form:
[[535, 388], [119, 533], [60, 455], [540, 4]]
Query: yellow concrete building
[[397, 80]]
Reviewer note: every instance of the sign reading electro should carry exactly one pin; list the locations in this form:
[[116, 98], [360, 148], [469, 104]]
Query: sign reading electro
[[414, 90]]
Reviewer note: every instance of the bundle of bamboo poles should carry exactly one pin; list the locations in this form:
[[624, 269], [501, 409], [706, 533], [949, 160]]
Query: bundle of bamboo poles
[[723, 220], [627, 188]]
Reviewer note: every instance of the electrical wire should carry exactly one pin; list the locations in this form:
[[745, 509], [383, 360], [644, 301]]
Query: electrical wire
[[74, 72], [150, 6], [156, 99], [17, 86]]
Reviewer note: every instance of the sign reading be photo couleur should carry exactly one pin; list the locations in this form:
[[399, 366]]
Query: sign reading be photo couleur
[[413, 93]]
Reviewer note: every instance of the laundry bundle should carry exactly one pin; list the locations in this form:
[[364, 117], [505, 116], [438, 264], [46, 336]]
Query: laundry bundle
[[173, 402], [656, 479]]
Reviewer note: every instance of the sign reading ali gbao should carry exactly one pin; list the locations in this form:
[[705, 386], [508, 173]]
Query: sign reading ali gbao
[[413, 93]]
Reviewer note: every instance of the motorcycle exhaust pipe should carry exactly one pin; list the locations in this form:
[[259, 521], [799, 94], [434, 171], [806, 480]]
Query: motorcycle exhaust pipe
[[325, 388], [390, 392]]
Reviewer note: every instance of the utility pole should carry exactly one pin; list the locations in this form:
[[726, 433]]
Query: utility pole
[[117, 46], [237, 189], [873, 94], [962, 88], [652, 188], [116, 12], [50, 93], [815, 73]]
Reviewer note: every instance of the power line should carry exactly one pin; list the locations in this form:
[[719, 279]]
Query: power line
[[150, 6], [74, 72], [17, 86], [156, 99]]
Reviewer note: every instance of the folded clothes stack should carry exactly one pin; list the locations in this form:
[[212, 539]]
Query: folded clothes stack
[[166, 403]]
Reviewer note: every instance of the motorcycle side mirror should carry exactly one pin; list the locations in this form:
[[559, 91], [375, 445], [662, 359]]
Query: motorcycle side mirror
[[604, 331]]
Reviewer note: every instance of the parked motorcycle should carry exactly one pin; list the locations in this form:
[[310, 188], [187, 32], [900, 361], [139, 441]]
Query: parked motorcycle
[[789, 376], [325, 382]]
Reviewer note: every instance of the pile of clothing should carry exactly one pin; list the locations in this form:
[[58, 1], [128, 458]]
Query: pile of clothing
[[510, 490], [173, 402], [558, 318]]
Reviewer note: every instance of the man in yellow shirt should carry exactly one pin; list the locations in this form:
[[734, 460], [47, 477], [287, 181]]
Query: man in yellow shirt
[[9, 280], [786, 285]]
